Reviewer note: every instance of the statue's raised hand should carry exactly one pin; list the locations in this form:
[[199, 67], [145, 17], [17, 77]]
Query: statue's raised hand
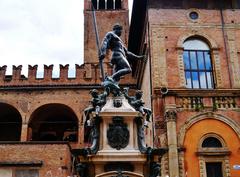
[[142, 58]]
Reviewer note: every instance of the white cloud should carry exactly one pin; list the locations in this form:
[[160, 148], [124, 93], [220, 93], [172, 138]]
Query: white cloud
[[41, 32]]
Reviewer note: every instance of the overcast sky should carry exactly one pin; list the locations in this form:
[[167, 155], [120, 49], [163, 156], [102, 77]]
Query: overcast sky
[[41, 32]]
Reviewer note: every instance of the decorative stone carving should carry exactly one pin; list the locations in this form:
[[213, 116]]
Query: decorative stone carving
[[224, 102], [192, 103], [118, 134], [117, 103], [170, 115]]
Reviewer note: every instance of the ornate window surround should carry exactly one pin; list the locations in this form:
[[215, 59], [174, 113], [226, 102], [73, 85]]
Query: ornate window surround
[[215, 55], [210, 151], [219, 154]]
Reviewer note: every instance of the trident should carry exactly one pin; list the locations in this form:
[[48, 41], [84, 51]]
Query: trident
[[97, 40]]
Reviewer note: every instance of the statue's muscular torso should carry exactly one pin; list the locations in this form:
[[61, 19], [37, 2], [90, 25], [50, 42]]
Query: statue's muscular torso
[[115, 44]]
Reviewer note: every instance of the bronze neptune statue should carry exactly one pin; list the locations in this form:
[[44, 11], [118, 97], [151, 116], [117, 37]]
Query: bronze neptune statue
[[120, 54]]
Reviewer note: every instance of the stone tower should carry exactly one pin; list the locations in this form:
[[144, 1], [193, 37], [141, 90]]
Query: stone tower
[[108, 12]]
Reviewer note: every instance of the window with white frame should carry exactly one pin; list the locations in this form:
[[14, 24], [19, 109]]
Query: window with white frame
[[197, 64]]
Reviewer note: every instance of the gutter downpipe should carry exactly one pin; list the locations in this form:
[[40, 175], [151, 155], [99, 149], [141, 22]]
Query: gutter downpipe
[[150, 72], [225, 43]]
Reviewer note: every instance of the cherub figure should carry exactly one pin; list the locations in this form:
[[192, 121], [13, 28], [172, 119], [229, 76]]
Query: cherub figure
[[137, 102], [98, 100]]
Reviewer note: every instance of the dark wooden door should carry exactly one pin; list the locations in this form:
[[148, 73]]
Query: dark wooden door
[[214, 169]]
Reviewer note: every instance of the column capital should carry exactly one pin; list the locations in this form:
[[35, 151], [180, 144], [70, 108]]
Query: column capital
[[170, 115]]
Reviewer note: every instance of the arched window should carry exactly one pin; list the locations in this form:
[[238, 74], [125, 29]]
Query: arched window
[[197, 64], [211, 142]]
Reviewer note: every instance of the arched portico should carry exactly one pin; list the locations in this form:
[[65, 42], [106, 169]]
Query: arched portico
[[53, 122], [10, 123]]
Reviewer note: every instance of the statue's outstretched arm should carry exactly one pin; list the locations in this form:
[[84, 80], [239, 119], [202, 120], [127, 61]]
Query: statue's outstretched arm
[[131, 55]]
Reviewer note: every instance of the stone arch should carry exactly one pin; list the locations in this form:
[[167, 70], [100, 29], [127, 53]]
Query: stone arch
[[34, 107], [114, 173], [53, 122], [212, 44], [212, 135], [10, 123], [202, 116]]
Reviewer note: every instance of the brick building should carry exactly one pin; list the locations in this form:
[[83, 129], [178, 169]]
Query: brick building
[[194, 68]]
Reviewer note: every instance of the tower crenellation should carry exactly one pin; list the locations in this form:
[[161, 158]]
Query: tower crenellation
[[85, 74]]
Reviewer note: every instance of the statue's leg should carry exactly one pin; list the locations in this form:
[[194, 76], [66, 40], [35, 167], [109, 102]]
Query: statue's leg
[[121, 66], [117, 75]]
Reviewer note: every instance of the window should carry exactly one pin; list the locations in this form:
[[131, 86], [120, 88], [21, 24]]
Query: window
[[197, 64], [211, 142], [107, 4], [26, 173], [101, 4], [94, 3], [110, 4], [6, 173], [19, 173], [118, 4]]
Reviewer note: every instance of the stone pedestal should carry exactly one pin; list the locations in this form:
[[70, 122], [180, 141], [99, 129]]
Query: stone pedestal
[[118, 142]]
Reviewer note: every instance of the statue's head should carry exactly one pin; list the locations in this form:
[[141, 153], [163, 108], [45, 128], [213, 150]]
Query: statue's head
[[117, 28], [94, 92], [139, 94]]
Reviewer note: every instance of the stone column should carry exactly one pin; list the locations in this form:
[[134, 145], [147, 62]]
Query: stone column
[[170, 117], [24, 132]]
